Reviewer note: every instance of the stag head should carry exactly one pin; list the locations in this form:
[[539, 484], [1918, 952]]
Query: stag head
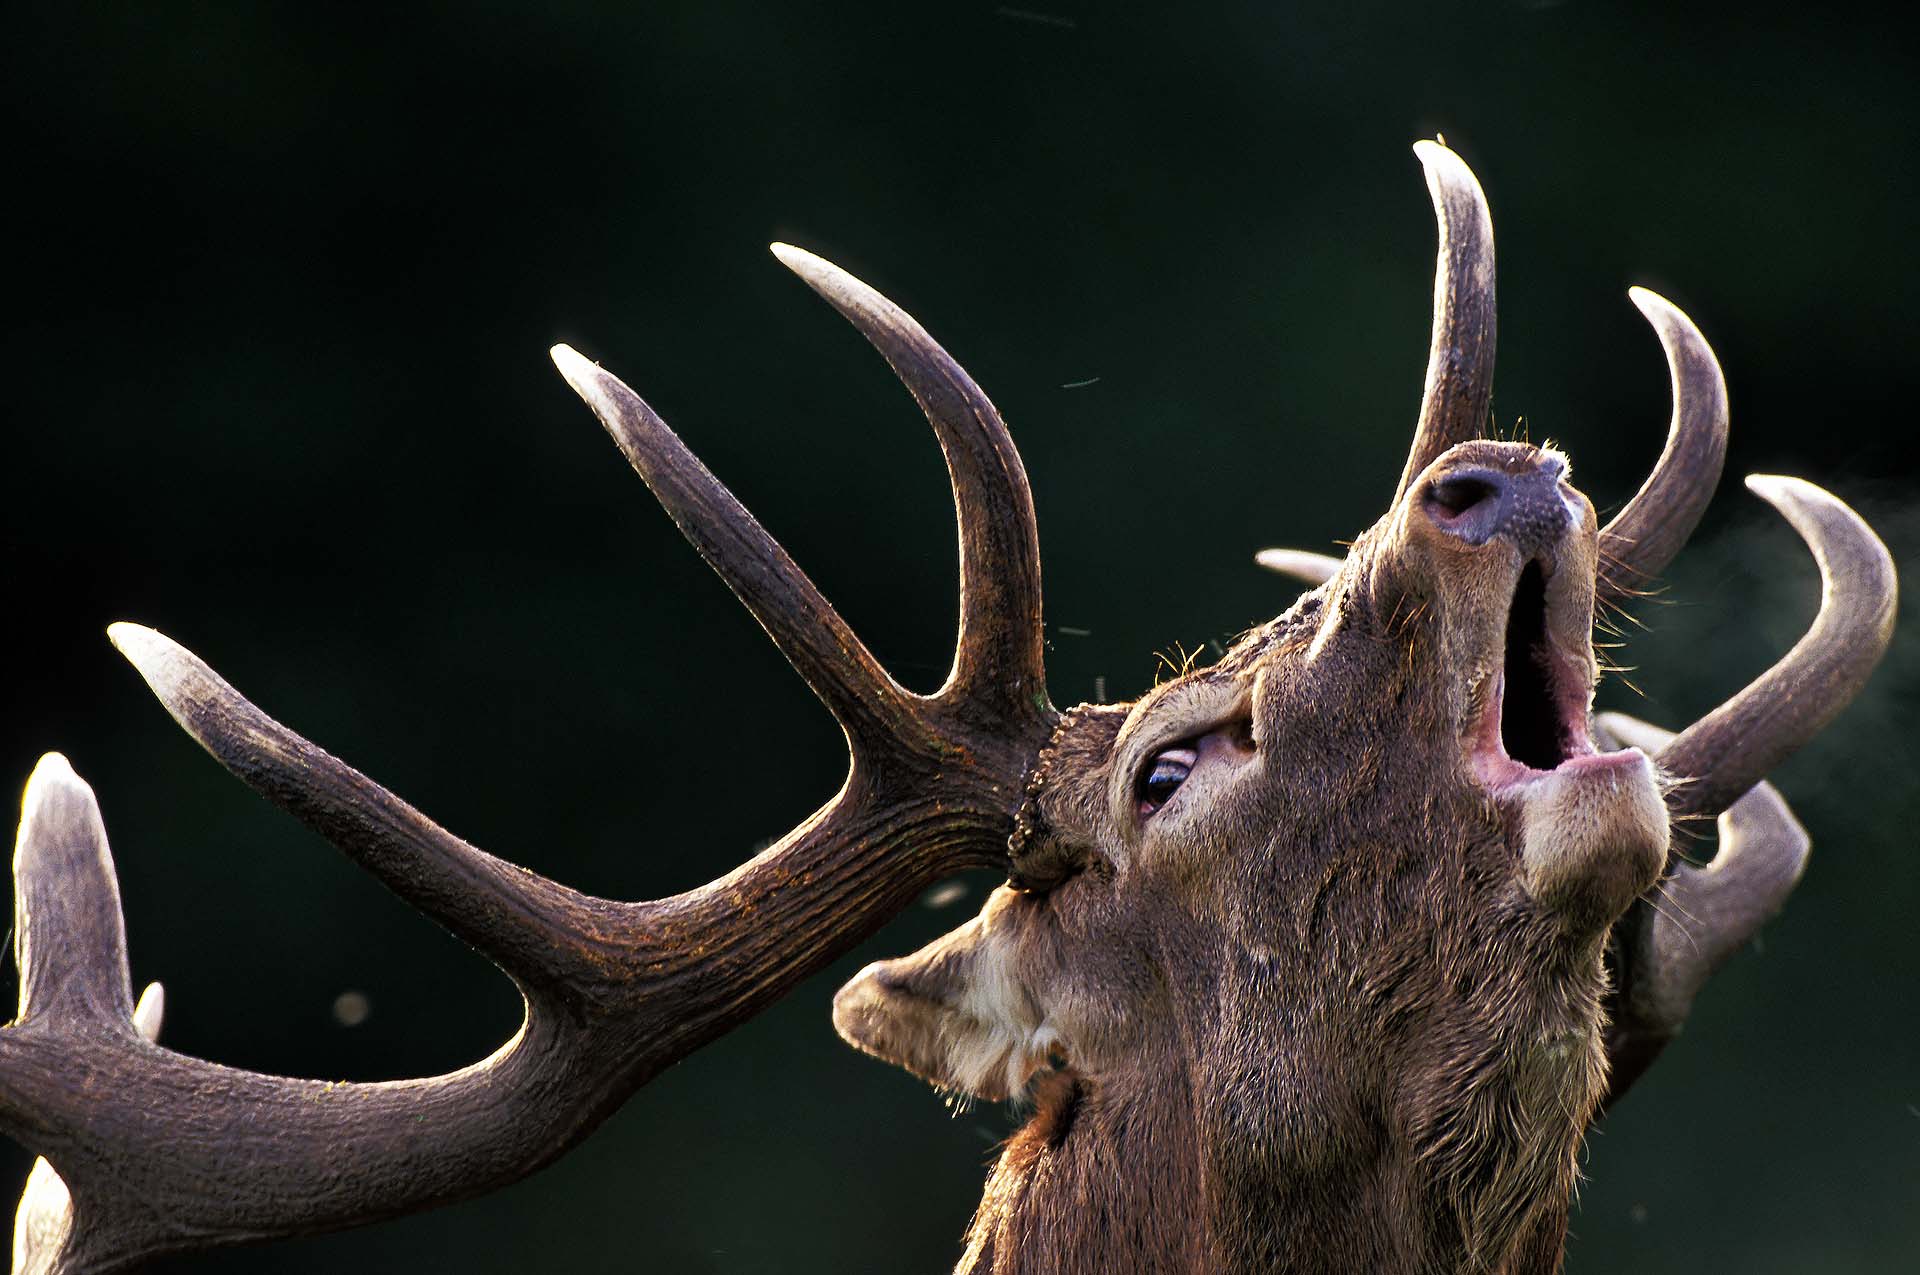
[[1321, 958], [1313, 940]]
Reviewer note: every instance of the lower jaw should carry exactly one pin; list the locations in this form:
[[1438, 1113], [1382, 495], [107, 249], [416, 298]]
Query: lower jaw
[[1592, 834], [1501, 775]]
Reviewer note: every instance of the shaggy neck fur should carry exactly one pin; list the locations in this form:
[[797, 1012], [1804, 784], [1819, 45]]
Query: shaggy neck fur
[[1101, 1181]]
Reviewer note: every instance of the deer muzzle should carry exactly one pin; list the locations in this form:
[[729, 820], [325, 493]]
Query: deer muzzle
[[1591, 826]]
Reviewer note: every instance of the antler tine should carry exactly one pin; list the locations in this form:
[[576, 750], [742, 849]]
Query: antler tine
[[69, 940], [826, 652], [163, 1153], [1646, 535], [1301, 564], [1459, 388], [158, 1153], [513, 916], [1674, 940], [1730, 749], [1000, 648]]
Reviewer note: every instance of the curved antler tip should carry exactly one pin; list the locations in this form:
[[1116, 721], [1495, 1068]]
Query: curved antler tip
[[1647, 301], [1799, 500], [52, 775], [128, 637], [1445, 168], [597, 387], [175, 675], [148, 650], [573, 365], [1631, 732], [1804, 503], [819, 273], [148, 1013], [1778, 489], [1664, 315], [1299, 564], [52, 766]]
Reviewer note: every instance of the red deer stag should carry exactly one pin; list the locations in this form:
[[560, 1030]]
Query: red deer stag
[[1319, 959]]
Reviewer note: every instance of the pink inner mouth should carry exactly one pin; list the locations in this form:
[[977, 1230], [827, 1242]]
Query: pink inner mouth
[[1534, 719]]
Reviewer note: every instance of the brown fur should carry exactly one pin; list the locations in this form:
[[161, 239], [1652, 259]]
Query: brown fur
[[1336, 1007]]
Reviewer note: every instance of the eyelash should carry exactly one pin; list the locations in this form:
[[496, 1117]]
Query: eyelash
[[1162, 776]]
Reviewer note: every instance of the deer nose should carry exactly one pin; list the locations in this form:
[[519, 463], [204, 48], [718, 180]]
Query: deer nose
[[1521, 502]]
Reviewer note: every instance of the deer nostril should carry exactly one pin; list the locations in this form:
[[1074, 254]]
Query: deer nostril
[[1459, 493], [1469, 503], [1475, 503]]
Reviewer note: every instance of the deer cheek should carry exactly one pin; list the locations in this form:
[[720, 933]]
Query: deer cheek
[[1593, 838]]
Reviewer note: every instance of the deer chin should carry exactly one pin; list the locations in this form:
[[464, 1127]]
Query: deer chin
[[1592, 826]]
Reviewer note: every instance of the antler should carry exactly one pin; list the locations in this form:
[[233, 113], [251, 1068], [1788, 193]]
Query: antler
[[1728, 752], [1304, 565], [164, 1153], [1639, 542], [1459, 387], [1668, 945], [1697, 918], [1730, 749]]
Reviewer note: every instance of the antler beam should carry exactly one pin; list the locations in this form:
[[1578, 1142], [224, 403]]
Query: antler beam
[[1668, 945], [162, 1153]]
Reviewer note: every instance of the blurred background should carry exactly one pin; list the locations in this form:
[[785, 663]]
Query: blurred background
[[282, 280]]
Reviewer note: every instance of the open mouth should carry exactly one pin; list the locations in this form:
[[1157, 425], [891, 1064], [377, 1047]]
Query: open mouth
[[1534, 718]]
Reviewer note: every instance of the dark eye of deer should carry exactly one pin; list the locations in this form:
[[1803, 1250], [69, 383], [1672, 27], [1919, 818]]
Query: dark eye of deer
[[1163, 777]]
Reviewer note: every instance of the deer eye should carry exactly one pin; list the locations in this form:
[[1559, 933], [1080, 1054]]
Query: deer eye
[[1163, 777]]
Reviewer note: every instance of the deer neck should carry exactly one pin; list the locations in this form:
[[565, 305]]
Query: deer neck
[[1100, 1179], [1136, 1174]]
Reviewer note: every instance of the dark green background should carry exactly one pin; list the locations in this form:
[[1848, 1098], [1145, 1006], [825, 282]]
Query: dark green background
[[281, 282]]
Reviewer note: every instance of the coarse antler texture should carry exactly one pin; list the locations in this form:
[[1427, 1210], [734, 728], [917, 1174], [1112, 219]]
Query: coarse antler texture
[[1673, 940], [1640, 540], [1459, 386], [161, 1152], [1312, 910]]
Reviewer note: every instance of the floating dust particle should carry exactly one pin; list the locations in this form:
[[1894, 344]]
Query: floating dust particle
[[351, 1008], [946, 894]]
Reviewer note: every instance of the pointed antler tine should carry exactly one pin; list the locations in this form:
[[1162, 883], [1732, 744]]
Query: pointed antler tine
[[1675, 939], [160, 1153], [43, 1222], [1000, 649], [819, 644], [71, 947], [1730, 749], [70, 939], [147, 1013], [506, 912], [1645, 536], [1459, 386], [1301, 564]]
